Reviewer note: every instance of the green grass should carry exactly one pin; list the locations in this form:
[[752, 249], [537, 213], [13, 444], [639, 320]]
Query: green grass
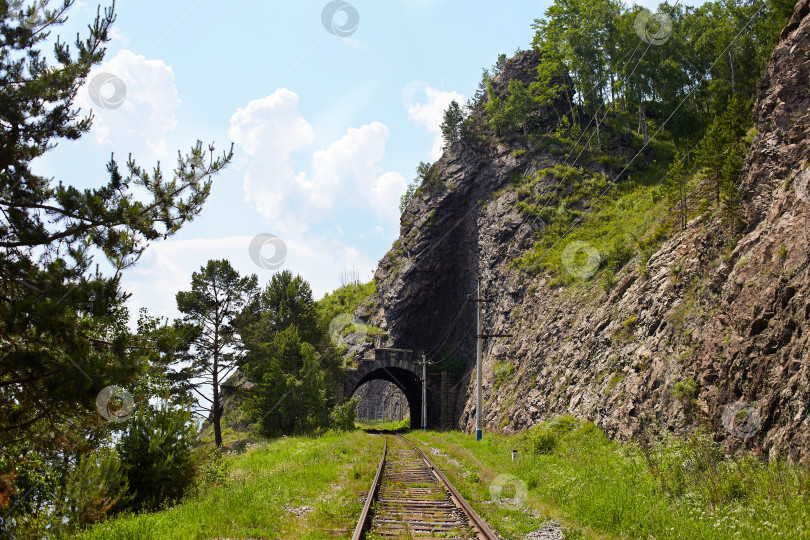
[[268, 486], [619, 228], [628, 221], [596, 488], [346, 299], [389, 425]]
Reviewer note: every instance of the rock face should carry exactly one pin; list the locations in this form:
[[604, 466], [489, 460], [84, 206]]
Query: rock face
[[381, 401], [737, 325]]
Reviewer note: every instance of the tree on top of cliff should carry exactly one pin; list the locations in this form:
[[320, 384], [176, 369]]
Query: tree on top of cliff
[[452, 124]]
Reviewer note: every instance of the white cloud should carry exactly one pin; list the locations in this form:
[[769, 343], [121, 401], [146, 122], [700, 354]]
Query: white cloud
[[269, 130], [116, 36], [353, 162], [166, 267], [146, 113], [345, 175], [431, 114]]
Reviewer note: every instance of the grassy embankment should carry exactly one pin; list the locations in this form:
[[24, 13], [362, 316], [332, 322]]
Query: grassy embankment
[[310, 488], [297, 487], [596, 488]]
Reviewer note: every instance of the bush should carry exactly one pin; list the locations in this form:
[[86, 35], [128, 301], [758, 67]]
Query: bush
[[543, 442], [697, 466], [212, 473], [156, 453], [343, 415], [546, 437], [92, 488], [619, 253], [686, 391], [26, 478]]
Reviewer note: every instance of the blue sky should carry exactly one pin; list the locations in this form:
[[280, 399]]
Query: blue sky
[[328, 130]]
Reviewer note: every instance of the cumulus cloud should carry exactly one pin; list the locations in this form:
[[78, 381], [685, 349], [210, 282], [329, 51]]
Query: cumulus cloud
[[166, 267], [353, 162], [145, 112], [431, 114], [345, 175], [269, 130]]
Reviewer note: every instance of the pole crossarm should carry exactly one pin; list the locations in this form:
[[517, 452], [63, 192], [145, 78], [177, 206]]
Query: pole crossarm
[[480, 336]]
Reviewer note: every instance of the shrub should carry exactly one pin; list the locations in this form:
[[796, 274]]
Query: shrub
[[608, 280], [27, 477], [212, 472], [619, 253], [686, 391], [546, 437], [343, 415], [95, 484], [543, 442], [156, 454]]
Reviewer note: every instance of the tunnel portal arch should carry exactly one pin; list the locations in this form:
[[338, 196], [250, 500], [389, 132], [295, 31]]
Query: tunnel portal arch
[[397, 366]]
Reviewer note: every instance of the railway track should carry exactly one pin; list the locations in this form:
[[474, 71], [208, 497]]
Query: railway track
[[411, 498]]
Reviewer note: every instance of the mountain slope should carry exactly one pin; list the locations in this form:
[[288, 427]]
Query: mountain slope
[[695, 334]]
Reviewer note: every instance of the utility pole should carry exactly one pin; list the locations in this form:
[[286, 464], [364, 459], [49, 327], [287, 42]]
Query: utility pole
[[479, 346], [424, 392]]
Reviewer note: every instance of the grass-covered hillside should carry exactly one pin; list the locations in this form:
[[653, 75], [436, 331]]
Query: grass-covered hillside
[[293, 487], [566, 472]]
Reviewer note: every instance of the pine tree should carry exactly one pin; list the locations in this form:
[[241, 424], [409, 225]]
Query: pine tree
[[217, 297], [730, 205], [156, 452], [290, 360], [452, 124], [677, 178], [63, 334], [711, 152]]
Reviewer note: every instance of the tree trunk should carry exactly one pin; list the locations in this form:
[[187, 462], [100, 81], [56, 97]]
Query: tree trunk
[[570, 106], [642, 123], [598, 138], [731, 61], [215, 376], [717, 188], [612, 93]]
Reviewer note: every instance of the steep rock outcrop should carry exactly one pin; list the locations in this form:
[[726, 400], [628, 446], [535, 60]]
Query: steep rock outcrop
[[737, 324]]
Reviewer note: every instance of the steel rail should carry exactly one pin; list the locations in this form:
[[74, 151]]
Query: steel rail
[[484, 530], [361, 523], [479, 526]]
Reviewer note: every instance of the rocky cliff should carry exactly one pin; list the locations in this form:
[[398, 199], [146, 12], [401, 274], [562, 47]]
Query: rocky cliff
[[701, 336]]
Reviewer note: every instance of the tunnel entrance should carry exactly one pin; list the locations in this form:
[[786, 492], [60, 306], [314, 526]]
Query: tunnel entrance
[[387, 389], [381, 401]]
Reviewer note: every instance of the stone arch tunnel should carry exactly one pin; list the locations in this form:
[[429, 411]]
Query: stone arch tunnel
[[403, 368]]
